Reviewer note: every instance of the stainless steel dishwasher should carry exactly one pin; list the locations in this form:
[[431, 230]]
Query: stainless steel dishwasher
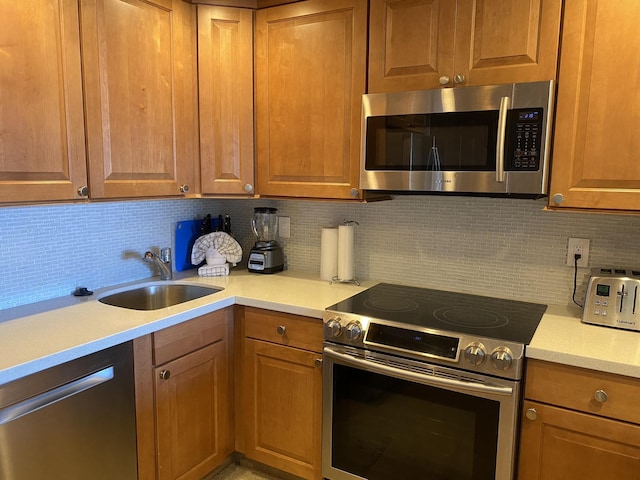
[[73, 421]]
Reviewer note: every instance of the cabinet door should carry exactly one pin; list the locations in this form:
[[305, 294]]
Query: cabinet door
[[411, 44], [310, 64], [598, 109], [225, 72], [140, 96], [502, 41], [566, 445], [283, 407], [194, 420], [422, 44], [42, 154]]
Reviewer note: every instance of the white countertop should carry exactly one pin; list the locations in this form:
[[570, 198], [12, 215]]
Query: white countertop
[[45, 334], [562, 338], [41, 335]]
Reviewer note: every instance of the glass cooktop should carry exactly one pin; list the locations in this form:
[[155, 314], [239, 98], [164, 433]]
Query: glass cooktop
[[490, 317]]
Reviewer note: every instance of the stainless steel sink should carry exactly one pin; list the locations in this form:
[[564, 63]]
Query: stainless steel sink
[[154, 297]]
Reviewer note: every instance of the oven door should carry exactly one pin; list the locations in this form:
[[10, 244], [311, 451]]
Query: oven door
[[386, 418]]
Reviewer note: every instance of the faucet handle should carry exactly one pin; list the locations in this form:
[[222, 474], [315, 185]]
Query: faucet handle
[[165, 255]]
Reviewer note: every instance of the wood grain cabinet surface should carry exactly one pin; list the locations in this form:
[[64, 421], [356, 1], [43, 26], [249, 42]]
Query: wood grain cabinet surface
[[596, 141], [42, 152], [225, 84], [422, 44], [184, 395], [140, 97], [579, 424], [310, 69], [117, 76], [281, 391]]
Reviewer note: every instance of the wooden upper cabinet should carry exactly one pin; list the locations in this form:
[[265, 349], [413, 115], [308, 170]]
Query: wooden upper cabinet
[[42, 154], [140, 97], [598, 108], [421, 44], [225, 73], [310, 62]]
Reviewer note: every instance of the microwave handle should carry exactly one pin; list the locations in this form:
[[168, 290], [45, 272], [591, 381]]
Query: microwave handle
[[502, 132]]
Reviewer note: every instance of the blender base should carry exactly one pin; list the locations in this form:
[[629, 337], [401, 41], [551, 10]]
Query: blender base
[[266, 260]]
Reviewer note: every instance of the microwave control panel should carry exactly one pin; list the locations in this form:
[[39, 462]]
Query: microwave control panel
[[524, 141]]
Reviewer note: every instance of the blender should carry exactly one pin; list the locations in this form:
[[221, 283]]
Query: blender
[[266, 255]]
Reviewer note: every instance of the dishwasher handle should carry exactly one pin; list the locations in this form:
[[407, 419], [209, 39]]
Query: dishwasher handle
[[30, 405]]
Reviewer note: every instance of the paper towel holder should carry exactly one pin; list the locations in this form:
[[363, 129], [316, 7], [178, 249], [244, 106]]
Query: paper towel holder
[[354, 280]]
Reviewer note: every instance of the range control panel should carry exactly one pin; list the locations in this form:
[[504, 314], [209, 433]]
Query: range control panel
[[525, 138], [613, 298]]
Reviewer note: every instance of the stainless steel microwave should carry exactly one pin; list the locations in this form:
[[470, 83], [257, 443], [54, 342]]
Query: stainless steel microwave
[[488, 140]]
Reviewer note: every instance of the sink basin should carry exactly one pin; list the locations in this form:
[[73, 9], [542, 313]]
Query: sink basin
[[154, 297]]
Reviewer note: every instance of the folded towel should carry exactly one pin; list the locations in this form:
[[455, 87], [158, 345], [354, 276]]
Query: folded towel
[[224, 243], [214, 270], [214, 257]]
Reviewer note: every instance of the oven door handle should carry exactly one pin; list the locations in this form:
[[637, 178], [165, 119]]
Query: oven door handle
[[420, 378]]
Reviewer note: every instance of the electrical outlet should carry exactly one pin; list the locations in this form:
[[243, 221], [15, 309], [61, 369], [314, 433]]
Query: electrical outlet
[[284, 227], [578, 246]]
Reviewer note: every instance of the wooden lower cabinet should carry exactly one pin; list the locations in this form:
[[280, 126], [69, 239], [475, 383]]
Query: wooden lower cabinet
[[562, 444], [241, 378], [578, 424], [281, 405], [184, 395]]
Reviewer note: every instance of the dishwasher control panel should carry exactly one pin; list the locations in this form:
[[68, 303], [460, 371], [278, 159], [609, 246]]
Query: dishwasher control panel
[[613, 298]]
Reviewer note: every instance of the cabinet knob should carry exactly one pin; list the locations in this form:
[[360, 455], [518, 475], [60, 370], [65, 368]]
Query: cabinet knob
[[184, 188], [531, 414], [83, 191], [444, 80], [600, 396], [165, 374], [318, 362], [248, 188], [281, 329], [458, 78], [558, 198], [355, 193]]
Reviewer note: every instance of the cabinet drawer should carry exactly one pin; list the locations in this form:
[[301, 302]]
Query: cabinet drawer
[[283, 328], [191, 335], [576, 388]]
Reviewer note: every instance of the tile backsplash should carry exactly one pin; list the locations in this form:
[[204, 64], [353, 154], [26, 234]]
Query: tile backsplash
[[509, 248]]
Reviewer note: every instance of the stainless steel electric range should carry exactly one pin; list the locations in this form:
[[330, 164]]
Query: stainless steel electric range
[[422, 383]]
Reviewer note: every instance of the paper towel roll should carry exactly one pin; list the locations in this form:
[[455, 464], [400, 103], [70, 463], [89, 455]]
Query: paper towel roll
[[345, 253], [329, 253]]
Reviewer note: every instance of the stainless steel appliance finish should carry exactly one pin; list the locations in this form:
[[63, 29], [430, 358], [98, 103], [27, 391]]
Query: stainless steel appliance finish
[[613, 298], [76, 420], [266, 256], [421, 383], [489, 140]]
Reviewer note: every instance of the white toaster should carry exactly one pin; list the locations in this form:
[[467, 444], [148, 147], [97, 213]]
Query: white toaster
[[613, 298]]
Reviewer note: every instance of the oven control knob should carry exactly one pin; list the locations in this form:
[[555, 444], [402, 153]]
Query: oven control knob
[[475, 353], [333, 328], [502, 358], [354, 331]]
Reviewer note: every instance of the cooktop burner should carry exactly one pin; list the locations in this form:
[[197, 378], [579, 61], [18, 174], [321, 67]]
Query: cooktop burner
[[497, 318]]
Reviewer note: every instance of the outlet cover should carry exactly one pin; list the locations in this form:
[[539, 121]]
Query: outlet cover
[[284, 227], [580, 245]]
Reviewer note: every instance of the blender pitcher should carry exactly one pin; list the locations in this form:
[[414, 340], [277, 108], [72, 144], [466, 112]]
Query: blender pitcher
[[264, 224]]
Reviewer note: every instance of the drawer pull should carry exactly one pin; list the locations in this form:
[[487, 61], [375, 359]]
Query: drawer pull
[[600, 396], [318, 362], [531, 414], [281, 329]]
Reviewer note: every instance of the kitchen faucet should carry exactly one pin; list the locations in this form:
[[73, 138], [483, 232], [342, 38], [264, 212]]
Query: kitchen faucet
[[163, 262]]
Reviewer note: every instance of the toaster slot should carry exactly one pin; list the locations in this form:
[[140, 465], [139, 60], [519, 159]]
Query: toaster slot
[[622, 294], [635, 297]]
